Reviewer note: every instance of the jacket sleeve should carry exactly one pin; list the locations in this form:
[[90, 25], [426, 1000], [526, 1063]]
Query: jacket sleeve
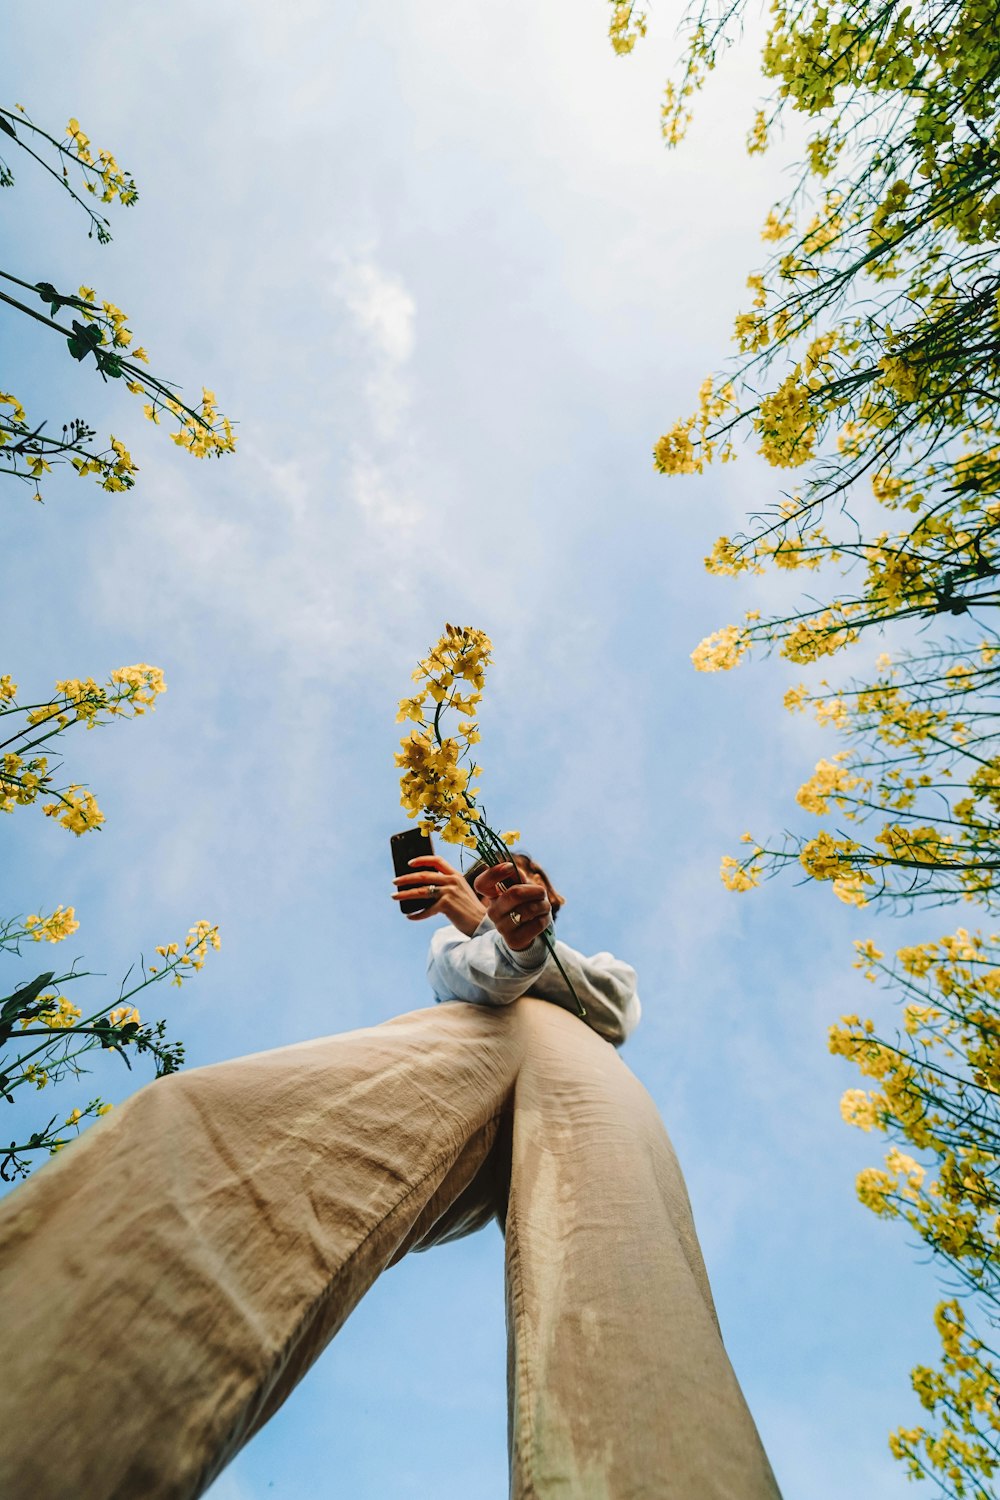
[[606, 987], [481, 969]]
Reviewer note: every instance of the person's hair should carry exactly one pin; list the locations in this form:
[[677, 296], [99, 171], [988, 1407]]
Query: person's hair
[[520, 856]]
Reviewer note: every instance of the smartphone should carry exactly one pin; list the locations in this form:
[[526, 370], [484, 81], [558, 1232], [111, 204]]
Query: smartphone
[[407, 846]]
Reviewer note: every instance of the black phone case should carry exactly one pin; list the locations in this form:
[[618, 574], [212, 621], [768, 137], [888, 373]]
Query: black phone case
[[406, 846]]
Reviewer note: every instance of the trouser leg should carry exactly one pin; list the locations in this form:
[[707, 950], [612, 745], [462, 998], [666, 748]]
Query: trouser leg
[[166, 1280], [169, 1278], [620, 1387]]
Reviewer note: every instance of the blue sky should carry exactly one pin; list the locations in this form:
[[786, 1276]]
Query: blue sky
[[438, 265]]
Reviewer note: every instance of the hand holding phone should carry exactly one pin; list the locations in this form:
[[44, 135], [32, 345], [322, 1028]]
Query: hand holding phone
[[443, 890]]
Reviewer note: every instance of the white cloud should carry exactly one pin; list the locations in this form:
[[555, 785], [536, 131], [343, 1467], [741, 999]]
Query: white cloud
[[383, 498], [381, 306], [384, 313]]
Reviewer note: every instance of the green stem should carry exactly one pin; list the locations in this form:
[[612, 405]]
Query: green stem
[[151, 384]]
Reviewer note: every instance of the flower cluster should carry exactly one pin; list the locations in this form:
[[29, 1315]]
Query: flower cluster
[[740, 876], [24, 777], [55, 928], [830, 781], [103, 175], [435, 786], [822, 635], [691, 444], [786, 421], [966, 1383], [626, 26], [112, 322], [204, 432], [29, 453], [75, 809], [56, 1014], [181, 962], [99, 330], [937, 1090], [722, 650], [44, 1034], [869, 362]]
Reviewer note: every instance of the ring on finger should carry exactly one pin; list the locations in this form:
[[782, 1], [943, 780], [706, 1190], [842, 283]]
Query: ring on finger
[[434, 892], [515, 917]]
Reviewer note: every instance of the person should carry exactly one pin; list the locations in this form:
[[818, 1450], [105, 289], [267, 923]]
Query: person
[[492, 950], [170, 1276]]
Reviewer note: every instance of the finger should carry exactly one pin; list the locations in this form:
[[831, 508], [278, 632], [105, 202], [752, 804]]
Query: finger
[[507, 896], [515, 896], [423, 892], [487, 883], [523, 919], [421, 916], [432, 862], [525, 935], [531, 903], [421, 877], [521, 933]]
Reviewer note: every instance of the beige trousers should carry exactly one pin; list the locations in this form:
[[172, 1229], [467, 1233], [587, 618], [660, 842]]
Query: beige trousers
[[167, 1279]]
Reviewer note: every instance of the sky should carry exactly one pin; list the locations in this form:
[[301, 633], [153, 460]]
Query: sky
[[438, 265]]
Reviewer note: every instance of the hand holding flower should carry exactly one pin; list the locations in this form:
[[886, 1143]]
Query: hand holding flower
[[519, 912]]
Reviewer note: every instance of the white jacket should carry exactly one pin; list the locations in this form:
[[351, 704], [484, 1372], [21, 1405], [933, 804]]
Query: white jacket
[[482, 970]]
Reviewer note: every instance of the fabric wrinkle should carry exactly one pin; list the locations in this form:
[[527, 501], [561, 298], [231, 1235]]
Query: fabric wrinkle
[[171, 1276]]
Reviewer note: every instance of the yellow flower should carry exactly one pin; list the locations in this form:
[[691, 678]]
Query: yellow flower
[[757, 138], [786, 421], [851, 888], [124, 1015], [17, 410], [725, 559], [858, 1108], [78, 810], [55, 928], [677, 453], [823, 635], [435, 787], [868, 955], [873, 1189], [200, 938], [143, 685], [626, 26], [722, 650], [58, 1016], [827, 858], [737, 877], [898, 1161], [828, 780], [775, 227]]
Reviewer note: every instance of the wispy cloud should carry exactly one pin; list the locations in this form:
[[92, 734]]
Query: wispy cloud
[[384, 312]]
